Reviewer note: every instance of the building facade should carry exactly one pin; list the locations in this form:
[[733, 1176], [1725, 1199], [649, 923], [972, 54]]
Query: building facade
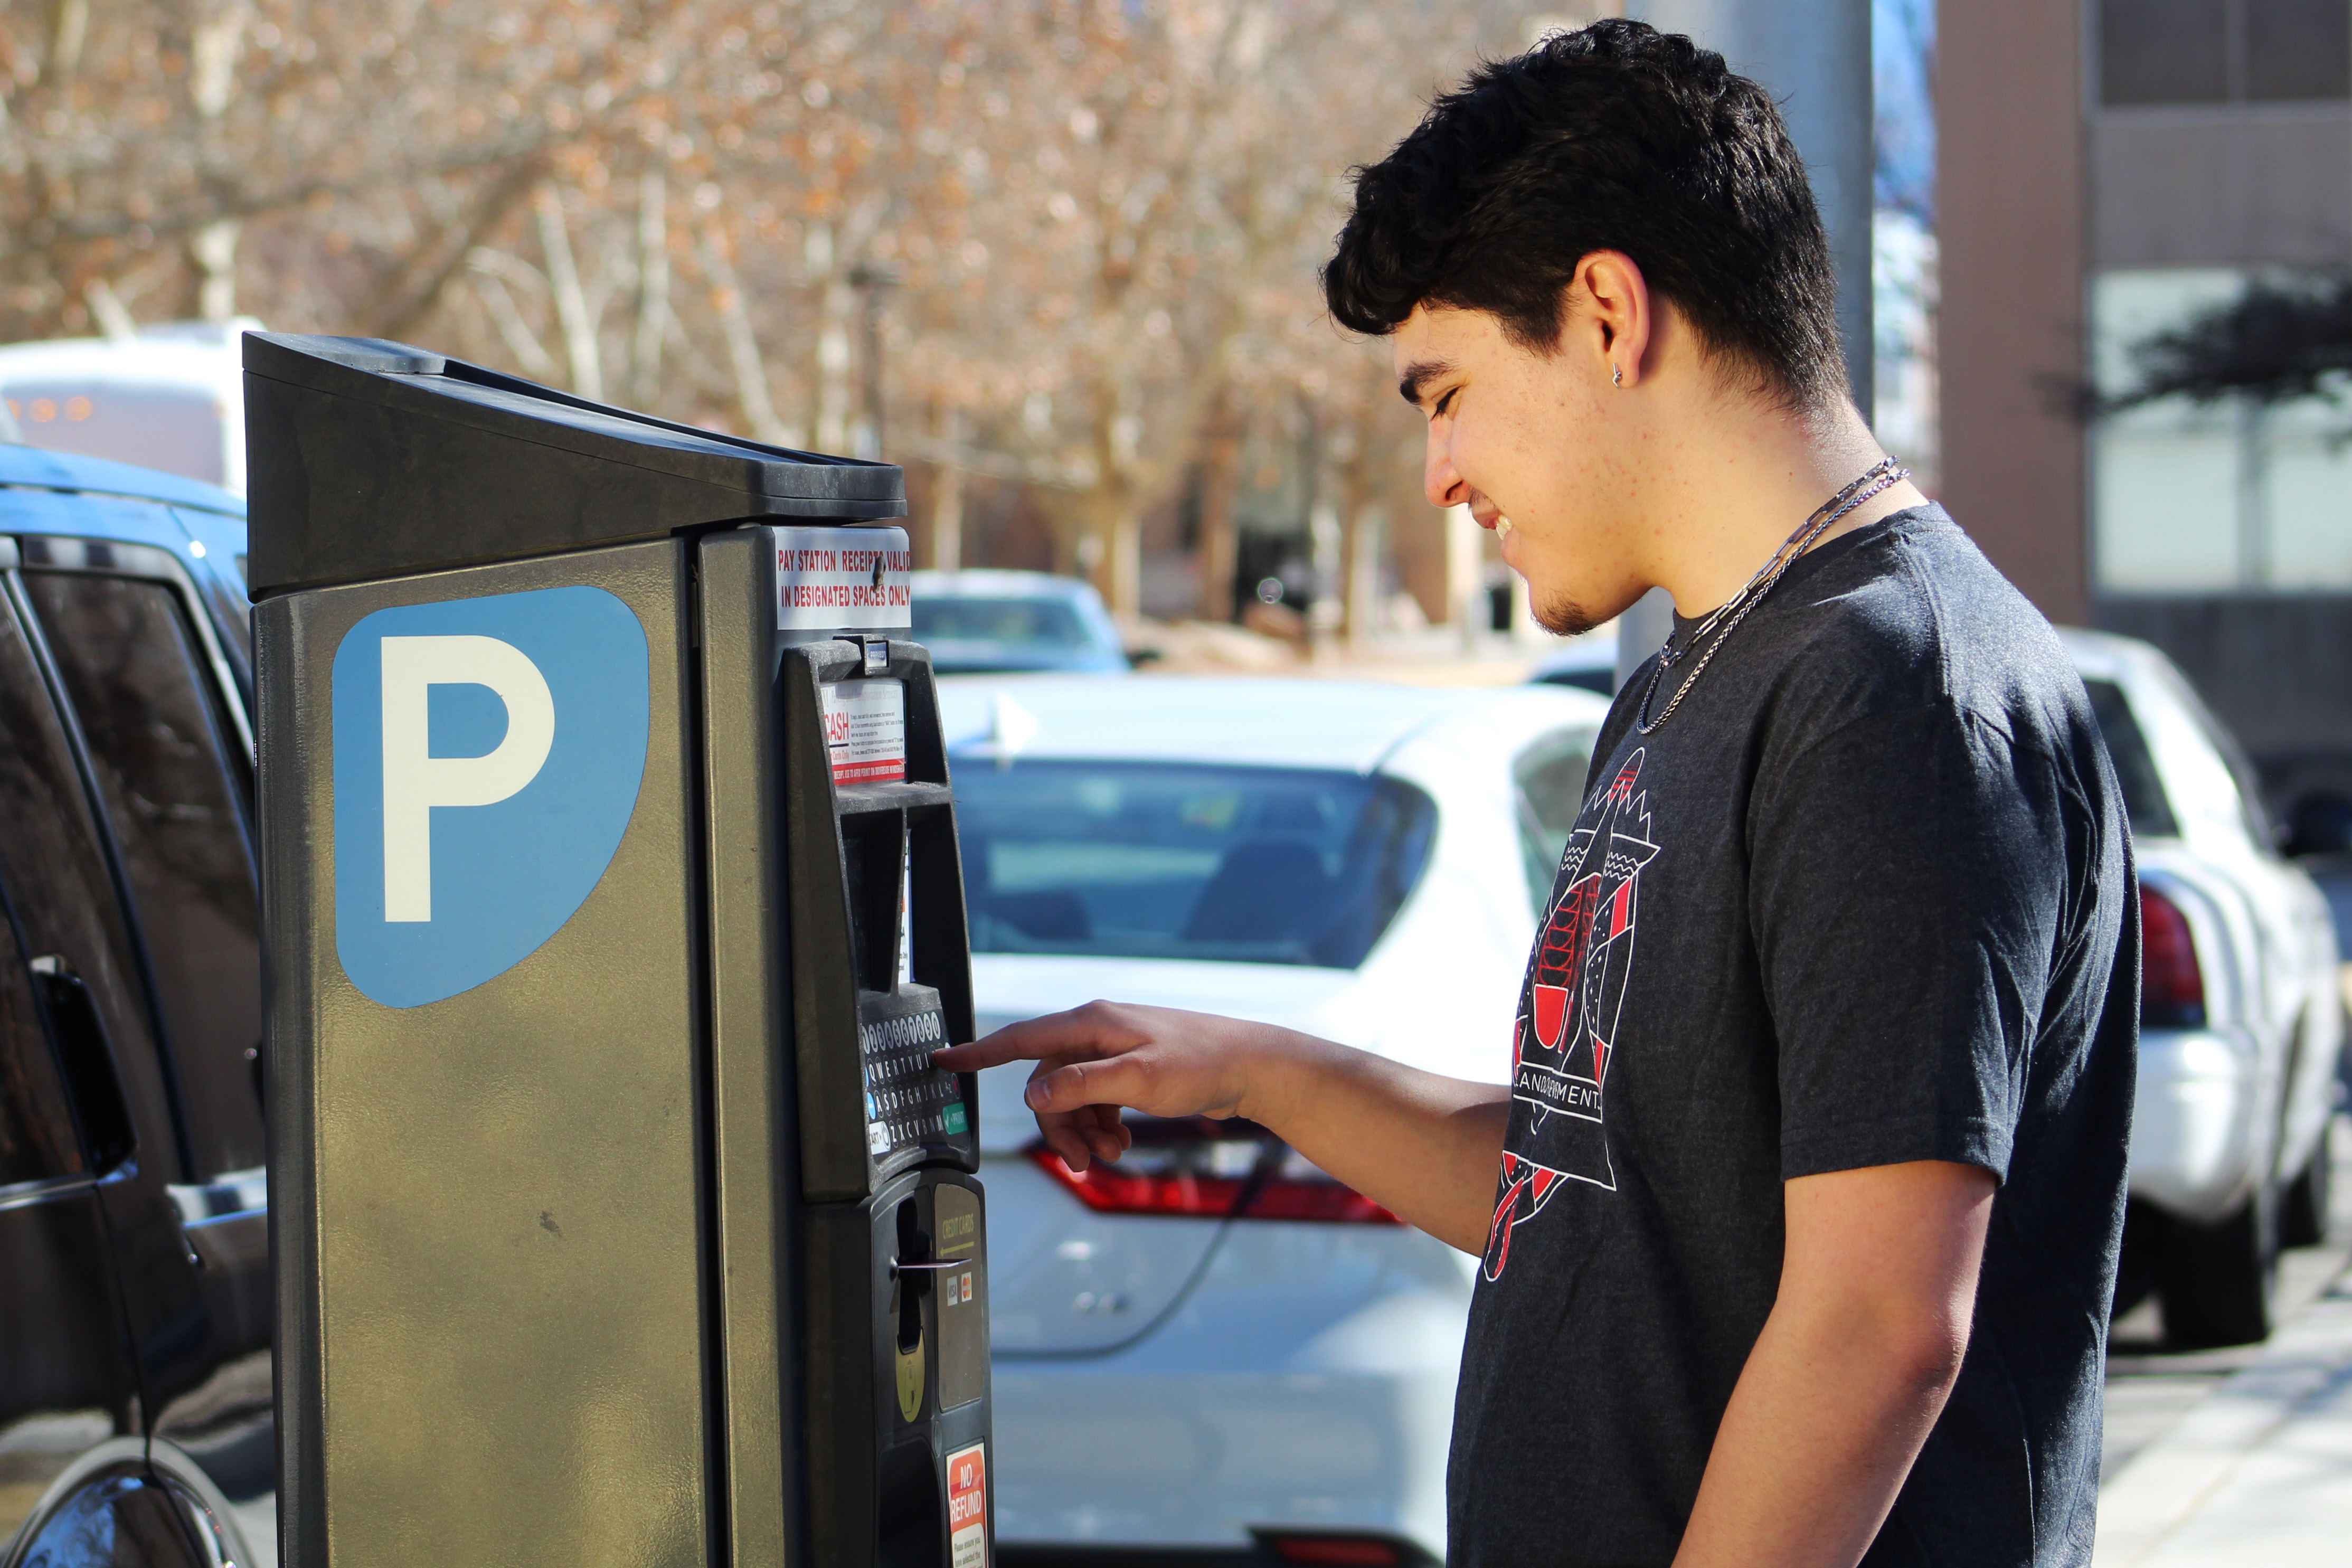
[[2109, 169]]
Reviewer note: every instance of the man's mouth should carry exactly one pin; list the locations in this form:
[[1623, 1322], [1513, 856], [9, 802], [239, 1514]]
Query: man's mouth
[[1484, 512]]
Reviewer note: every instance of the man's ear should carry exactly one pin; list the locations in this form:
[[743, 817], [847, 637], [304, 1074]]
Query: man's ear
[[1617, 318]]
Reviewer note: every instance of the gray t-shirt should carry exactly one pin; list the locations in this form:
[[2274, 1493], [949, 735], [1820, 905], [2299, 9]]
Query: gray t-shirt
[[1866, 898]]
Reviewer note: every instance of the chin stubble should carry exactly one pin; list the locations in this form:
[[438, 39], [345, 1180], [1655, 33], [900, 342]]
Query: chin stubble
[[1563, 617]]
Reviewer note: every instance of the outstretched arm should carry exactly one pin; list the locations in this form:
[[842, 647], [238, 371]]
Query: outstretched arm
[[1423, 1146]]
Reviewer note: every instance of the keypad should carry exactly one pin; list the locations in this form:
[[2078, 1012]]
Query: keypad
[[907, 1099]]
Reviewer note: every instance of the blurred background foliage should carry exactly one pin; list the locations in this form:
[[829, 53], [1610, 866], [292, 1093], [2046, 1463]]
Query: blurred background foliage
[[1070, 243]]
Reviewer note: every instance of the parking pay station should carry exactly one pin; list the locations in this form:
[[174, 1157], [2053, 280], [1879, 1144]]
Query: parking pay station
[[614, 909]]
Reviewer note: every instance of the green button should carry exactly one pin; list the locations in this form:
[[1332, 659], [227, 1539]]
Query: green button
[[955, 1117]]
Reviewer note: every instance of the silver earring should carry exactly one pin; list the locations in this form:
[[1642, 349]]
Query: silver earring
[[1616, 375]]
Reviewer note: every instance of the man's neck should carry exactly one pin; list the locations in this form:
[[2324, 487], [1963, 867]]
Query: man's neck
[[1729, 502]]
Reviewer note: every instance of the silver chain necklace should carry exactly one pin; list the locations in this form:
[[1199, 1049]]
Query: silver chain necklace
[[1883, 475]]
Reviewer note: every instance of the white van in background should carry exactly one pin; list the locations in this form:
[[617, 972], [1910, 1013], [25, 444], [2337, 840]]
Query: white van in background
[[170, 396]]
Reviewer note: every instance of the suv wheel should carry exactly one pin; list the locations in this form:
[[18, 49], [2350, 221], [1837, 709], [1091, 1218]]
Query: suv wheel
[[130, 1503], [2215, 1281]]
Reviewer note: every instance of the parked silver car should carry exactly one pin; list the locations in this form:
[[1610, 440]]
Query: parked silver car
[[1209, 1341], [2241, 1017]]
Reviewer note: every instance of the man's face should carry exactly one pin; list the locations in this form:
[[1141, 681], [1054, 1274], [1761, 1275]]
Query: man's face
[[1539, 439]]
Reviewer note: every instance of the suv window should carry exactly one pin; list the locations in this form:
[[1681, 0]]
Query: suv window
[[142, 688], [60, 893], [2144, 801], [1547, 782], [37, 1139]]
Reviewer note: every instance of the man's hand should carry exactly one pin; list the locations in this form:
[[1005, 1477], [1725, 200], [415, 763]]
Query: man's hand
[[1878, 1287], [1427, 1148], [1093, 1061]]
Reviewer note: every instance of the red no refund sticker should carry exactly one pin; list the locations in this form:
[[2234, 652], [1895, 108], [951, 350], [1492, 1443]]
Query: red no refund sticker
[[967, 1507]]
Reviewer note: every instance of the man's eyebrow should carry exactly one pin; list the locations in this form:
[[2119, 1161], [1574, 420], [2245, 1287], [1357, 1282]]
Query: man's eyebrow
[[1418, 374]]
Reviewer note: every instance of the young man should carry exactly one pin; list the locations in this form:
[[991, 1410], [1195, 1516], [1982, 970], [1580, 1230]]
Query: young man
[[1798, 1221]]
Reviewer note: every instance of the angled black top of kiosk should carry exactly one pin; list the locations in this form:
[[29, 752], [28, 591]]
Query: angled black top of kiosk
[[368, 459]]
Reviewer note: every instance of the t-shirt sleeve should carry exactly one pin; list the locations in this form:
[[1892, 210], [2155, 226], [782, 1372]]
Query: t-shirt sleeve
[[1908, 885]]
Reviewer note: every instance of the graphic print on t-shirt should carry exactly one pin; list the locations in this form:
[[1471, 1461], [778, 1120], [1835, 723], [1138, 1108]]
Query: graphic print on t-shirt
[[1568, 1011]]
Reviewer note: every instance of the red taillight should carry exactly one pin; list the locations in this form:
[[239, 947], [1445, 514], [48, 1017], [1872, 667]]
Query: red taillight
[[2171, 986], [1336, 1550], [1198, 1168], [1342, 1550]]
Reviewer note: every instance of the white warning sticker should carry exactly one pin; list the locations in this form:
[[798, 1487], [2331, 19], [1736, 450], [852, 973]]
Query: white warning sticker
[[865, 731], [842, 579], [967, 1507]]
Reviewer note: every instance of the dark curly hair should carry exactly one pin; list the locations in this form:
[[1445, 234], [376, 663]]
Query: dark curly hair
[[1614, 137]]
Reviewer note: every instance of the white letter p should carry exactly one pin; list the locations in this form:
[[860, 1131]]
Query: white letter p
[[415, 781]]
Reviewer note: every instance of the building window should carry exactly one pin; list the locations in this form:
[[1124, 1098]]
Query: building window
[[2223, 52], [2227, 497]]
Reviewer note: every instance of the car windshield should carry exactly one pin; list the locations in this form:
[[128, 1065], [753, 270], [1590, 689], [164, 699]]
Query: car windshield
[[1040, 623], [1169, 860]]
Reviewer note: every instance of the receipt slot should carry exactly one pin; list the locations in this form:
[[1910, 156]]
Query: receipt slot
[[613, 909]]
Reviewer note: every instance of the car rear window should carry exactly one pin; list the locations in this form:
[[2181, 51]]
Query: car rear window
[[1168, 861], [1034, 623], [2144, 801]]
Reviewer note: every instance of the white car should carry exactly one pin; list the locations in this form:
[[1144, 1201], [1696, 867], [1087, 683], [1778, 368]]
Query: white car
[[2241, 1020], [991, 621], [1359, 861]]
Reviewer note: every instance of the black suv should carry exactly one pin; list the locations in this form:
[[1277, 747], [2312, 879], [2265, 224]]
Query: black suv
[[135, 1306]]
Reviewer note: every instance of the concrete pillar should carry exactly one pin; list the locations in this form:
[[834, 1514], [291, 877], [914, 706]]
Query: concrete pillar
[[2012, 206], [1813, 56]]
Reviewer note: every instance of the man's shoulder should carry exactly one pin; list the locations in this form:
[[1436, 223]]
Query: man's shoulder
[[1912, 617]]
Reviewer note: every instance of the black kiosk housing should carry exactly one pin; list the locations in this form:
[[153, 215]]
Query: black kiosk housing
[[618, 1214]]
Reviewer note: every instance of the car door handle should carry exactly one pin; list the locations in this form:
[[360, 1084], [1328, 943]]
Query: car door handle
[[86, 1061]]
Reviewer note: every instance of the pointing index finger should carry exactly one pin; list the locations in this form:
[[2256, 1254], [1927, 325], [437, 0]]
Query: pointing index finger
[[1070, 1033]]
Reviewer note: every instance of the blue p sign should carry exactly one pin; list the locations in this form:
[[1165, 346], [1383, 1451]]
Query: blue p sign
[[488, 755]]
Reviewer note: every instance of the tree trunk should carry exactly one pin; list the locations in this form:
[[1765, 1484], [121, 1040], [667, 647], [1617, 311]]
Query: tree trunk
[[742, 347], [570, 304], [835, 302], [69, 29], [1123, 563], [1360, 567], [652, 288], [213, 249], [945, 544], [1219, 541]]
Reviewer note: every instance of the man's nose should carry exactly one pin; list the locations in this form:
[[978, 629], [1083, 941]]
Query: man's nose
[[1439, 482]]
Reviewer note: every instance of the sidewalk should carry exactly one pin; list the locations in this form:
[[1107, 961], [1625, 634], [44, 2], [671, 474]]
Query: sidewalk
[[2260, 1472]]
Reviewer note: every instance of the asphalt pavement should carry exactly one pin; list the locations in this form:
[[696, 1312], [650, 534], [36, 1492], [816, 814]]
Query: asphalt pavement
[[2239, 1456]]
